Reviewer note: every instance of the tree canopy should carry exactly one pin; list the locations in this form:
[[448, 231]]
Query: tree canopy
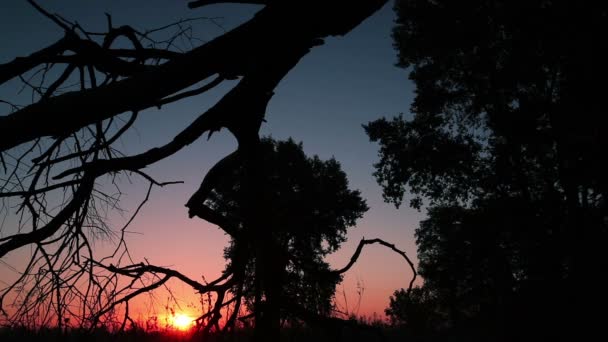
[[312, 207], [505, 152]]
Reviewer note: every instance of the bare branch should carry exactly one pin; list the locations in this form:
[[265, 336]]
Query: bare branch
[[27, 193], [21, 65], [231, 54], [364, 242], [20, 240], [241, 110], [130, 296], [50, 16], [197, 91], [137, 270]]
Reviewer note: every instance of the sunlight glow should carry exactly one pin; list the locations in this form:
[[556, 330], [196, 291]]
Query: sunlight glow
[[182, 321]]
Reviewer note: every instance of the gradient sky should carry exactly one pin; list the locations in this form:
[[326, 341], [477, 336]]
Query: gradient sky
[[322, 102]]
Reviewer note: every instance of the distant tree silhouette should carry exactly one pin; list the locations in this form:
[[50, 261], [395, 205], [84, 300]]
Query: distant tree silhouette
[[416, 311], [312, 208], [506, 146], [58, 153]]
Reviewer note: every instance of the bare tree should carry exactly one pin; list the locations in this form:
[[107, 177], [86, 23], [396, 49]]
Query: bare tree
[[58, 152]]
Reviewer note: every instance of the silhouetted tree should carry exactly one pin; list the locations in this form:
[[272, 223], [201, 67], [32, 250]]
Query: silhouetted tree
[[506, 146], [312, 208], [416, 312], [58, 152]]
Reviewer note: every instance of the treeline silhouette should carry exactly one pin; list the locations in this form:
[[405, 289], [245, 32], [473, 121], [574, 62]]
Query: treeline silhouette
[[506, 151]]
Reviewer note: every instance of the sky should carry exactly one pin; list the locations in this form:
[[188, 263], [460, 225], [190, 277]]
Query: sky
[[322, 102]]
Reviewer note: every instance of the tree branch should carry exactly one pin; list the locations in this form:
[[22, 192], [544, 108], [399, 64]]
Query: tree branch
[[139, 269], [219, 79], [364, 242], [80, 197], [21, 65], [201, 3], [231, 54], [241, 110]]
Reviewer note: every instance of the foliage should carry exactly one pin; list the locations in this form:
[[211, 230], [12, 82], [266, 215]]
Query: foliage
[[311, 209], [505, 144], [416, 311]]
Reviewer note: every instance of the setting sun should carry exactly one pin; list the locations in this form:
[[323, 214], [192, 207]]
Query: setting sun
[[182, 321]]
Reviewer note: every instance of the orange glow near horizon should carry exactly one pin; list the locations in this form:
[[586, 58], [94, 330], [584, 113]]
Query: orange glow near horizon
[[182, 321]]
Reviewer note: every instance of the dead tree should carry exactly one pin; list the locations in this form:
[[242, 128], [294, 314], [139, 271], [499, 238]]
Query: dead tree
[[60, 148]]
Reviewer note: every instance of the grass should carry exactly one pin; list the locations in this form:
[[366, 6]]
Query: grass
[[102, 335]]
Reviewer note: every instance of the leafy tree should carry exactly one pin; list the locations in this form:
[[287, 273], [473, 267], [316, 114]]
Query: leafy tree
[[415, 311], [311, 209], [505, 144]]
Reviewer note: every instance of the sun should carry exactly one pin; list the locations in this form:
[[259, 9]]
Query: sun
[[182, 321]]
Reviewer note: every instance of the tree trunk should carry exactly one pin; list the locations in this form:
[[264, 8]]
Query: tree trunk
[[267, 288]]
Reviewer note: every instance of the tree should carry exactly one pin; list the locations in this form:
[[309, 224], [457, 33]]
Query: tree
[[58, 152], [312, 208], [505, 145], [415, 311]]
